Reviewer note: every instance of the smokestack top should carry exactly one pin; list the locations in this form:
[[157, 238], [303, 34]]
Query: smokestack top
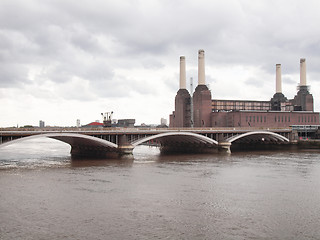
[[183, 81], [278, 79], [201, 68], [303, 72]]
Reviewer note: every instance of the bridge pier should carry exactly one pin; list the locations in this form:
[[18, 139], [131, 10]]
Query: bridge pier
[[91, 152], [125, 148], [124, 151], [224, 147]]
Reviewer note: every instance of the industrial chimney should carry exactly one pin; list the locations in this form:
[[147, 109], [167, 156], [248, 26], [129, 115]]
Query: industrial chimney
[[278, 98], [202, 102], [303, 101], [181, 117], [278, 79], [183, 72], [303, 72], [201, 68]]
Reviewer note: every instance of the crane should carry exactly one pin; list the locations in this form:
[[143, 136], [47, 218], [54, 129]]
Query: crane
[[107, 118]]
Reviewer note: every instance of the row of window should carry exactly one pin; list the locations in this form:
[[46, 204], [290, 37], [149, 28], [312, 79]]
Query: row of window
[[253, 119], [310, 119], [281, 119], [240, 105]]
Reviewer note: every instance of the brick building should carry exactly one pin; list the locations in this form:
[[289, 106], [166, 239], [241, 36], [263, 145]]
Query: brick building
[[202, 111]]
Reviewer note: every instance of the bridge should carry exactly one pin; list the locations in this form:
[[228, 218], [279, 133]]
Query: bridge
[[121, 141]]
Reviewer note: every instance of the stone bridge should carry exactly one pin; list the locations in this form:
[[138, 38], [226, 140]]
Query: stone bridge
[[120, 142]]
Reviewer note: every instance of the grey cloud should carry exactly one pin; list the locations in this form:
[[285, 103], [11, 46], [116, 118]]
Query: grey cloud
[[13, 75], [62, 35], [289, 80], [254, 82], [78, 51], [151, 63]]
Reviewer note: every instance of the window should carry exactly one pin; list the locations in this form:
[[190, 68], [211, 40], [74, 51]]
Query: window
[[275, 119], [265, 118], [285, 118], [289, 119]]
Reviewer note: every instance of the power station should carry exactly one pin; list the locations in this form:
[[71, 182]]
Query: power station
[[201, 110]]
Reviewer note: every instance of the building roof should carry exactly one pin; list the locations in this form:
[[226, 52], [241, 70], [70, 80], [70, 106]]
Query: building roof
[[95, 124]]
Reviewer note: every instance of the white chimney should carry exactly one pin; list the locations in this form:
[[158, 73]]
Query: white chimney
[[183, 72], [278, 79], [303, 72], [201, 71]]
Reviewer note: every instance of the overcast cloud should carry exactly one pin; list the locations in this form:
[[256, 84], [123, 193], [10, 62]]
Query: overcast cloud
[[66, 60]]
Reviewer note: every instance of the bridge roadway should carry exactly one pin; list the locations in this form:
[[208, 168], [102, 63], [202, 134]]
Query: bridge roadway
[[116, 142]]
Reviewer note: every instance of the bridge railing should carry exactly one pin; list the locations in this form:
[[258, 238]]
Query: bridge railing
[[140, 129]]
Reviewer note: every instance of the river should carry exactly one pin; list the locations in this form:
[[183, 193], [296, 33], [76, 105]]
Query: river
[[247, 195]]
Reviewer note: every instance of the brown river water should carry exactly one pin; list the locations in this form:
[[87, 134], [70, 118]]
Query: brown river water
[[247, 195]]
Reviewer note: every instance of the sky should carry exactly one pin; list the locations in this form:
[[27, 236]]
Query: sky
[[66, 60]]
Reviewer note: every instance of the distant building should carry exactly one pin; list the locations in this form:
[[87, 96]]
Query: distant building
[[78, 122], [207, 112], [129, 123], [41, 124], [94, 125], [163, 121]]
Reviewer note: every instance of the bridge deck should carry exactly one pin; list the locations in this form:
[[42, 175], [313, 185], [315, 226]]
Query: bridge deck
[[32, 131]]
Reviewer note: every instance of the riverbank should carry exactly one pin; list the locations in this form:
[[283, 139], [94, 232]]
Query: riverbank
[[309, 143]]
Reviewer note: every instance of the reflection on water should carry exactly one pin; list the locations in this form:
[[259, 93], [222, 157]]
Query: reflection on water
[[35, 153], [261, 195]]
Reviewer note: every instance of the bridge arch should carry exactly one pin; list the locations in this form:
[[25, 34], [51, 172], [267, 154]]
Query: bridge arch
[[185, 137], [73, 139], [259, 136]]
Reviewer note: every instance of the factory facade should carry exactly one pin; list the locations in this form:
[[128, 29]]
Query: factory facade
[[200, 110]]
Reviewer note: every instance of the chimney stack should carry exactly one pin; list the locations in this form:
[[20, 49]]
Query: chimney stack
[[182, 72], [303, 72], [278, 79], [201, 71]]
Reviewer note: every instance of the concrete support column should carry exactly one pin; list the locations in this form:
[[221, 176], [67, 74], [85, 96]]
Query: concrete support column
[[303, 72], [90, 151], [183, 81], [278, 79], [201, 68], [224, 147], [125, 149]]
